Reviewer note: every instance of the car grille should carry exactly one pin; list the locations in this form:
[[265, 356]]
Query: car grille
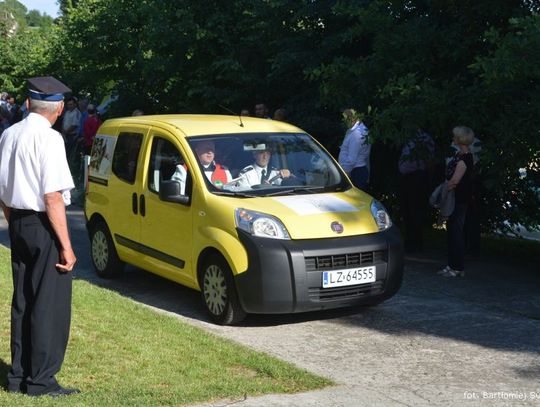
[[341, 261], [340, 293]]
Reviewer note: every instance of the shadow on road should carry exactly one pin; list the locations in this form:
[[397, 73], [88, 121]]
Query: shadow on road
[[496, 305]]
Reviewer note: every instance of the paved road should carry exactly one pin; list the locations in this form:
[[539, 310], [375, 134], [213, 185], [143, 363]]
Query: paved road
[[438, 342]]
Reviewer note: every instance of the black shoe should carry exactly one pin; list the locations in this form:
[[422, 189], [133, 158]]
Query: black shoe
[[60, 391]]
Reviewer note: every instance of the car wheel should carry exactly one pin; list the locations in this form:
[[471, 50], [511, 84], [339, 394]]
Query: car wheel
[[104, 256], [219, 292]]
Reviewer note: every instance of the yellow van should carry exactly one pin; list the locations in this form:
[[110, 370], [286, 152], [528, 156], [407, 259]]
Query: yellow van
[[253, 213]]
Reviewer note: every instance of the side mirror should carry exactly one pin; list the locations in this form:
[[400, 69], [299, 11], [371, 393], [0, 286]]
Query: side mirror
[[171, 191]]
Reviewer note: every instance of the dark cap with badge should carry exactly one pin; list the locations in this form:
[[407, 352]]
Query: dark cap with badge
[[46, 88]]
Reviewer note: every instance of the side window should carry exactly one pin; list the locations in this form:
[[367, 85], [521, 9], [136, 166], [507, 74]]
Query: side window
[[166, 163], [126, 154]]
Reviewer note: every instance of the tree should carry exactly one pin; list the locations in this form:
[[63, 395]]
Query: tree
[[35, 19], [404, 63]]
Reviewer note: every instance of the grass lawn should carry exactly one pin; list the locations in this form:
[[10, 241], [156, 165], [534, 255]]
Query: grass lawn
[[123, 354]]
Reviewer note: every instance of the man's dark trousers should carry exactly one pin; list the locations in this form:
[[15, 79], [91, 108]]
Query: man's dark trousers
[[41, 306]]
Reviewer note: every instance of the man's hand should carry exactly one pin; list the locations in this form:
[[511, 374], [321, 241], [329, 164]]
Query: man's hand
[[56, 212], [285, 173], [67, 260]]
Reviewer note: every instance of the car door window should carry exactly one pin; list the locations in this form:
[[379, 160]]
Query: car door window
[[166, 163]]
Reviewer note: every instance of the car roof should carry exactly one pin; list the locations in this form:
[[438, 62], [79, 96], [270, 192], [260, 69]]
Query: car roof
[[200, 124]]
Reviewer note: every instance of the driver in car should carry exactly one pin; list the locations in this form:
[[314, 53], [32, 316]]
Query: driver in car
[[260, 172]]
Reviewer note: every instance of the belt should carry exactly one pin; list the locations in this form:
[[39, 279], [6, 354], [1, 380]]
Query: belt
[[24, 212]]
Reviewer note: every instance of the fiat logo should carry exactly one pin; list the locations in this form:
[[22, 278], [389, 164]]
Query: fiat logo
[[336, 227]]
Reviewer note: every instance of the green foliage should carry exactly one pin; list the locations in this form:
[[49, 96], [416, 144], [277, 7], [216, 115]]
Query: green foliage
[[35, 19], [24, 55], [404, 64]]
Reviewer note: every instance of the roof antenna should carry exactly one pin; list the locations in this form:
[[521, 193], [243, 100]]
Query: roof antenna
[[230, 111]]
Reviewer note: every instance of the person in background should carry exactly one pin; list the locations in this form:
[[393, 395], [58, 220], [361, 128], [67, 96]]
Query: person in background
[[4, 120], [472, 219], [416, 155], [3, 100], [70, 125], [355, 150], [280, 115], [91, 126], [13, 109], [137, 112], [245, 113], [459, 176], [261, 111], [35, 184], [83, 105]]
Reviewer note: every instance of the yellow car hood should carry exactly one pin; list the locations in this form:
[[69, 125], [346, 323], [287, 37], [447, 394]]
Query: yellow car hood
[[319, 216]]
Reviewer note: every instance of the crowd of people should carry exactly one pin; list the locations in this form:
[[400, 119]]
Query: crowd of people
[[78, 123]]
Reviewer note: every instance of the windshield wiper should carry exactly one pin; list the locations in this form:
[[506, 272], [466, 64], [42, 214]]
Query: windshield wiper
[[296, 190], [229, 193]]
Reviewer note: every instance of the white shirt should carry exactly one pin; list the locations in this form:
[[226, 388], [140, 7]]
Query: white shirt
[[355, 149], [32, 164], [180, 175], [71, 118], [252, 175]]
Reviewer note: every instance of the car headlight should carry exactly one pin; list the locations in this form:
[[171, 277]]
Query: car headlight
[[380, 215], [260, 224]]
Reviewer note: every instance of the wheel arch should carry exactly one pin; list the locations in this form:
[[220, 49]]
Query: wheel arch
[[204, 255], [94, 220]]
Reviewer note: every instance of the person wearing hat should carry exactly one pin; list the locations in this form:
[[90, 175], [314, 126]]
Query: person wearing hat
[[35, 184], [260, 172]]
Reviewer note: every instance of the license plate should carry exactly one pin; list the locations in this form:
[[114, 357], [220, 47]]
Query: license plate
[[340, 278]]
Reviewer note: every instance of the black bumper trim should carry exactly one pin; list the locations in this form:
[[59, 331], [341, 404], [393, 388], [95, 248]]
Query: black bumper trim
[[278, 281]]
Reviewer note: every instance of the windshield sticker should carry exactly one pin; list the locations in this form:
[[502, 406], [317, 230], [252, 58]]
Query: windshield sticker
[[312, 205], [102, 152]]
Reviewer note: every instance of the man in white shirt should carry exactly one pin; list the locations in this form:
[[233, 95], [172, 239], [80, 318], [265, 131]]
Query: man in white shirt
[[35, 184], [260, 172], [355, 150]]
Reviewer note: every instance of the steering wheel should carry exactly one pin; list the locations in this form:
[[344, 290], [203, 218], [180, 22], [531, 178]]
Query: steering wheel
[[274, 178]]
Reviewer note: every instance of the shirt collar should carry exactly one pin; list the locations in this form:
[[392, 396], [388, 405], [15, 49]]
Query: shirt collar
[[355, 125], [38, 119]]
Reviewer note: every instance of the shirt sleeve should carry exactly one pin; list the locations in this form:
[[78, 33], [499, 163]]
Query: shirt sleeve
[[180, 175], [55, 173]]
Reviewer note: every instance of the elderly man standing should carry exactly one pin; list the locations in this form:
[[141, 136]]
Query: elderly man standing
[[355, 150], [35, 185]]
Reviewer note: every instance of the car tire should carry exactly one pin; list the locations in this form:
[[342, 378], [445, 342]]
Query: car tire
[[219, 292], [104, 256]]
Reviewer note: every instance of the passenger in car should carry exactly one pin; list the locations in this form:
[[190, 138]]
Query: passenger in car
[[216, 173]]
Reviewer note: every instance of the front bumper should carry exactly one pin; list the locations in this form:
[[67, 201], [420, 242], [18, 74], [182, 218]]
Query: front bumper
[[285, 276]]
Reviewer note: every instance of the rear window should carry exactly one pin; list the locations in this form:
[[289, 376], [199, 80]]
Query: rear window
[[126, 154]]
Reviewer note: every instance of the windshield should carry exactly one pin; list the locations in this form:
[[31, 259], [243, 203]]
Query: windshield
[[266, 164]]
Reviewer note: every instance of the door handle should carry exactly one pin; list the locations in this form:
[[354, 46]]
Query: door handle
[[134, 203], [142, 205]]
